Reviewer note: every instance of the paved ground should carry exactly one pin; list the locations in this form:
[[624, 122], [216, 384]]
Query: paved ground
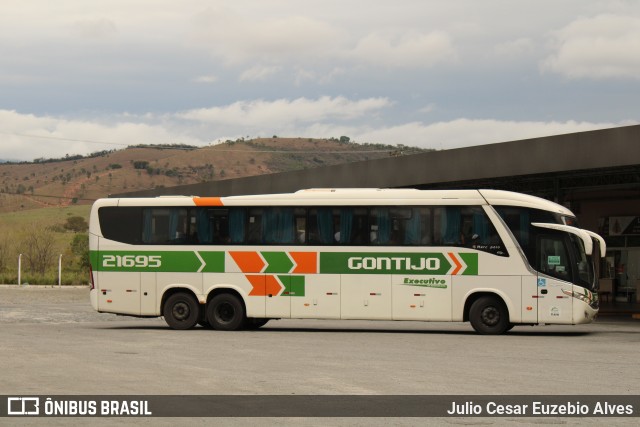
[[54, 343]]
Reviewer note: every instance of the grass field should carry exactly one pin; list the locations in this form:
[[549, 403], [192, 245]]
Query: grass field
[[14, 226], [46, 216]]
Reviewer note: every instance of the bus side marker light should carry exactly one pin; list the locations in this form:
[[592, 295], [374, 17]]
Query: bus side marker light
[[529, 308], [412, 306], [306, 304], [109, 300]]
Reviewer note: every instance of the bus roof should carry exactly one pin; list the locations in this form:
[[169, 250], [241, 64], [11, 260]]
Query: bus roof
[[354, 196]]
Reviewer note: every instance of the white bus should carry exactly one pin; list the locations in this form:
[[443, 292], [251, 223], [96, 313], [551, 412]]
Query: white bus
[[493, 258]]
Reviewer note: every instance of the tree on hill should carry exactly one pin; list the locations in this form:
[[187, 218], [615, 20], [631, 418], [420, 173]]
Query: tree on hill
[[76, 224]]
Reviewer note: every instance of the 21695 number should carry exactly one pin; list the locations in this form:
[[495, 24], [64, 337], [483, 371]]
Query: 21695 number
[[140, 261]]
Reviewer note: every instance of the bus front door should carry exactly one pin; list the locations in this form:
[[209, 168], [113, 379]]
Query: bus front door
[[554, 280]]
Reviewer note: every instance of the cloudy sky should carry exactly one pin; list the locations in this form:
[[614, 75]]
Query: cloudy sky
[[80, 76]]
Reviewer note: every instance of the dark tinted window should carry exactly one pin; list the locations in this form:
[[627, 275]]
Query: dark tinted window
[[464, 226], [344, 225], [121, 224], [519, 220], [166, 226]]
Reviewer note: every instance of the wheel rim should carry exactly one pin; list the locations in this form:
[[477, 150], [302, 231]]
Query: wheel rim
[[225, 312], [181, 311], [490, 316]]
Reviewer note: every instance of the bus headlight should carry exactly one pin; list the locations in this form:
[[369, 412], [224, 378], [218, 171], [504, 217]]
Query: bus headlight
[[586, 297]]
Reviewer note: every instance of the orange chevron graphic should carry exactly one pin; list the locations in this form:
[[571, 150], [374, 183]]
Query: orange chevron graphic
[[456, 262], [272, 286], [306, 262], [264, 285], [258, 283], [249, 262]]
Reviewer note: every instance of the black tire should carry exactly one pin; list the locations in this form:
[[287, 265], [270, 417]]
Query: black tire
[[181, 311], [489, 316], [225, 312], [255, 323]]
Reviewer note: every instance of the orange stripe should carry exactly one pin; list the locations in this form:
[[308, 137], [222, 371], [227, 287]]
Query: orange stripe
[[258, 284], [306, 262], [208, 201], [455, 261], [249, 262], [272, 286], [264, 285]]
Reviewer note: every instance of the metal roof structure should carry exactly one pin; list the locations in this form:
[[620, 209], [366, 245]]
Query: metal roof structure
[[553, 167]]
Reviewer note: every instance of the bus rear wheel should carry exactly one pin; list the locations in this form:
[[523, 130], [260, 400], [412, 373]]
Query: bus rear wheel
[[489, 316], [181, 311], [225, 312]]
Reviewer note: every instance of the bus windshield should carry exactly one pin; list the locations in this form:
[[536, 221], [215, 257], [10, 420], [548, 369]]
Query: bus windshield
[[584, 264], [560, 255]]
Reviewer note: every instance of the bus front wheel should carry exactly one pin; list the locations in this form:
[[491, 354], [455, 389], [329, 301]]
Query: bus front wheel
[[489, 316], [181, 311], [225, 312]]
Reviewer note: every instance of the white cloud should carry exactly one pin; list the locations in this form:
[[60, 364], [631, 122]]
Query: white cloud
[[319, 76], [283, 112], [604, 46], [97, 28], [514, 48], [429, 108], [27, 136], [258, 73], [206, 79], [468, 132], [407, 50], [239, 38]]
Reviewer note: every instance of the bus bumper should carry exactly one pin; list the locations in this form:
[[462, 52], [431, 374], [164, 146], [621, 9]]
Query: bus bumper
[[583, 312], [93, 296]]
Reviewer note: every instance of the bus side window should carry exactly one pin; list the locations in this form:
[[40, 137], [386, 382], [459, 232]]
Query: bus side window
[[121, 224], [322, 226], [452, 226], [416, 227], [165, 225], [237, 225], [300, 215], [381, 224], [278, 225], [254, 226]]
